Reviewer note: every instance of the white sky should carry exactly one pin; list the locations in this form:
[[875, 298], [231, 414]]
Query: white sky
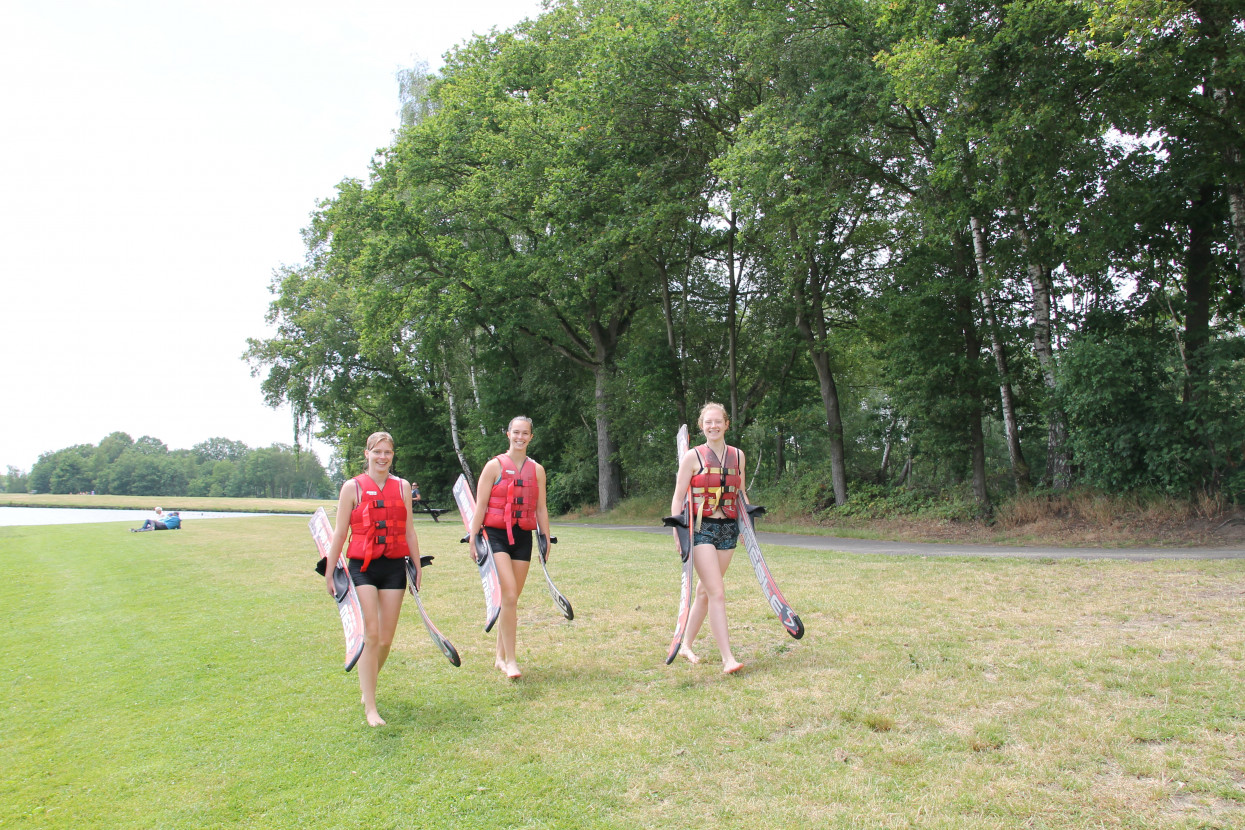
[[158, 159]]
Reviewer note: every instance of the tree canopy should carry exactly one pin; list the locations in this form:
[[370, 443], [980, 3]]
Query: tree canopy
[[121, 465], [945, 244]]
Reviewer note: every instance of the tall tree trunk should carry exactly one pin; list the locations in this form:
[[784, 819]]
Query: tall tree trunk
[[609, 473], [834, 421], [905, 472], [458, 447], [1236, 207], [732, 304], [811, 323], [449, 395], [972, 358], [780, 460], [475, 388], [672, 344], [1229, 98], [1058, 464], [1199, 275], [1011, 428]]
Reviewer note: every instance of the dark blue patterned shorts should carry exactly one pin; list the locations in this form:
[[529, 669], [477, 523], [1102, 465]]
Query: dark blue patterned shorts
[[721, 533]]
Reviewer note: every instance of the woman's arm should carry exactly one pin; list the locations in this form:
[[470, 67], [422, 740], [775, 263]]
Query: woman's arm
[[412, 538], [484, 489], [346, 501], [743, 482], [542, 509], [687, 467]]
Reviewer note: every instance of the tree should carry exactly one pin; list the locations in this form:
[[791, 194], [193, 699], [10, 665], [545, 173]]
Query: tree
[[219, 449], [16, 480], [1180, 74]]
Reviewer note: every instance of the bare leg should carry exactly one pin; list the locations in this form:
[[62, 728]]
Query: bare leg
[[512, 575], [695, 617], [699, 609], [711, 565], [390, 611], [380, 621]]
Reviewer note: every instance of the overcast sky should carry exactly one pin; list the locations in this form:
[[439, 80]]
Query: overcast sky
[[157, 162]]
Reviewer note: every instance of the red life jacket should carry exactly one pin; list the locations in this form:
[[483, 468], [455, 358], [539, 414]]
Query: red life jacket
[[716, 486], [378, 521], [512, 500]]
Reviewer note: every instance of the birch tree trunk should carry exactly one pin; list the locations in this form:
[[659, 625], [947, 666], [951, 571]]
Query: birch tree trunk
[[475, 388], [1236, 206], [458, 447], [1020, 467], [1235, 188], [1058, 465]]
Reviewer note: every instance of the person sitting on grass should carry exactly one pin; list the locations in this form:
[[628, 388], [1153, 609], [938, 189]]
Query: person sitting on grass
[[161, 522]]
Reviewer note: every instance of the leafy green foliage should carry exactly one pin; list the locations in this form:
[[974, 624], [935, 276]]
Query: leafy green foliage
[[1132, 429], [146, 467], [859, 225]]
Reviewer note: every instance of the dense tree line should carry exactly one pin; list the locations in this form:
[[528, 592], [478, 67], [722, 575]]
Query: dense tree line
[[955, 245], [120, 465]]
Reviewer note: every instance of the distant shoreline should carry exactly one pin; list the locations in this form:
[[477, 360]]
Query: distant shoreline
[[195, 503]]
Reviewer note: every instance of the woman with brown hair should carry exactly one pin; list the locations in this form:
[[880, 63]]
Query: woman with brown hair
[[510, 504], [374, 508]]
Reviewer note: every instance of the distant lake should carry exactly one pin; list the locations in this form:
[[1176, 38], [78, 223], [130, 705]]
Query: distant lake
[[16, 516]]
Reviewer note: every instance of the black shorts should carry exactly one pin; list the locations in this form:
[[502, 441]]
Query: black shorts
[[382, 574], [520, 551]]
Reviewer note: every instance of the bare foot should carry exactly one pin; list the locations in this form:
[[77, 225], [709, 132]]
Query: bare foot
[[731, 667], [688, 654], [512, 671], [374, 719], [499, 664]]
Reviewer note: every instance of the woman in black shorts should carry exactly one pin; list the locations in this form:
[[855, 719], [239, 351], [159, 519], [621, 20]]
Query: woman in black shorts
[[510, 504], [375, 508], [714, 474]]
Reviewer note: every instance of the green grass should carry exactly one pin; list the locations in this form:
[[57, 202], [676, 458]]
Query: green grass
[[193, 680]]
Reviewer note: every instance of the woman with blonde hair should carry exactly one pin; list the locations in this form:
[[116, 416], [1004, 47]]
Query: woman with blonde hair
[[713, 475], [510, 504], [374, 508]]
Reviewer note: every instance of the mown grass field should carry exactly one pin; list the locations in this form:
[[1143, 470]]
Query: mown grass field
[[193, 679]]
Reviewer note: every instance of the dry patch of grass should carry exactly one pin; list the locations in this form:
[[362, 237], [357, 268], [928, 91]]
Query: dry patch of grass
[[1096, 519], [1077, 519], [1064, 520]]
